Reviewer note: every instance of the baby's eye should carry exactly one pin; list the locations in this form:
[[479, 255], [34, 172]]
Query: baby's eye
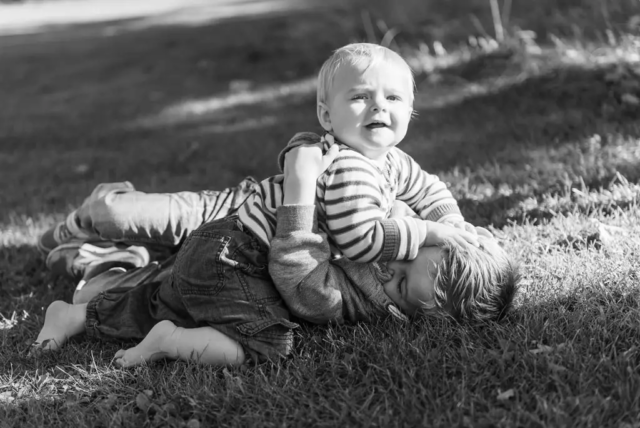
[[359, 97], [394, 98]]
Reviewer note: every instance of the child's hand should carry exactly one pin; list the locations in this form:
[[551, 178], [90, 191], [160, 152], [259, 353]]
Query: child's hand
[[439, 233], [302, 167], [400, 209], [307, 161], [463, 225]]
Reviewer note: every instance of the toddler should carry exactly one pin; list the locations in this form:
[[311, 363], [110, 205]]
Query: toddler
[[365, 99]]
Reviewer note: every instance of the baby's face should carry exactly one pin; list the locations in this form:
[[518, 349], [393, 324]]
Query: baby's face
[[413, 283], [370, 108]]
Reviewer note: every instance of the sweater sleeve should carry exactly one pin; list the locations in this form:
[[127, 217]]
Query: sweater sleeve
[[313, 287], [425, 193], [355, 214]]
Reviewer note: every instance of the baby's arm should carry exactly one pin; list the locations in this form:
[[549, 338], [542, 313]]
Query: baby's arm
[[439, 233], [425, 193], [313, 288], [355, 216], [429, 197]]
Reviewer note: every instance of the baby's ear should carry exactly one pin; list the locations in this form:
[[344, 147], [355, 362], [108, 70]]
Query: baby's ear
[[324, 117]]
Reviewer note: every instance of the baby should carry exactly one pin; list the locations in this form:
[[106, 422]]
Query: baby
[[365, 99]]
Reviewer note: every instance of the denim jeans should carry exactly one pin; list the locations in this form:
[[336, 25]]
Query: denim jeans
[[117, 212], [219, 279]]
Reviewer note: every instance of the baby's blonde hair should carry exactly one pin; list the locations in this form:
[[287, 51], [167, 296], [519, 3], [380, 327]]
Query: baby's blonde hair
[[358, 54]]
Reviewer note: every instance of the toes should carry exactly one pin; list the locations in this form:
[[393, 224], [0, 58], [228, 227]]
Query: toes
[[38, 348], [118, 359], [121, 360], [35, 349]]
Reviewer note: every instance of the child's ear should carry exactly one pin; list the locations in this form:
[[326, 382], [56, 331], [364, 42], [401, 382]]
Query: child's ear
[[324, 117]]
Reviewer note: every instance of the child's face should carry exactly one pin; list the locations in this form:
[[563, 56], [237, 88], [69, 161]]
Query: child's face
[[413, 283], [369, 108]]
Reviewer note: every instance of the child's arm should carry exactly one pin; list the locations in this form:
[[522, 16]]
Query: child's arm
[[401, 209], [314, 288], [425, 193], [429, 197], [356, 211]]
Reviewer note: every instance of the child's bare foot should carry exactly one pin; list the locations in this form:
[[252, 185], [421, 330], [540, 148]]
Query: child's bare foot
[[150, 349], [61, 322]]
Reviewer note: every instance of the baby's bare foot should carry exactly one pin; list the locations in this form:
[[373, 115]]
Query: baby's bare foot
[[150, 349], [61, 321]]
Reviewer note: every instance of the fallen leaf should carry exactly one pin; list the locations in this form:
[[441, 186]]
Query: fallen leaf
[[6, 397], [557, 367], [630, 99], [193, 423], [505, 395], [232, 382], [109, 401], [143, 402], [171, 408], [541, 349]]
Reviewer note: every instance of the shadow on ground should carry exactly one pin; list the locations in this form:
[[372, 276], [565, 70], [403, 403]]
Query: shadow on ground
[[73, 108]]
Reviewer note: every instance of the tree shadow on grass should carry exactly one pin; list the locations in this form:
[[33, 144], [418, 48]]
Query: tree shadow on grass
[[68, 105], [73, 111], [543, 134]]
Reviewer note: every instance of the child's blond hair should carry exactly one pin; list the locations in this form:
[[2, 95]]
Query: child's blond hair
[[359, 54], [475, 284]]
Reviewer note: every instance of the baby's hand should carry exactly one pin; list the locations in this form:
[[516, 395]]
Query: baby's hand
[[476, 230], [463, 225], [308, 162], [400, 209], [439, 233], [302, 167]]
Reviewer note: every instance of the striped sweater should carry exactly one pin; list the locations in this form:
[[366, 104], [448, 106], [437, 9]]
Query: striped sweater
[[354, 198]]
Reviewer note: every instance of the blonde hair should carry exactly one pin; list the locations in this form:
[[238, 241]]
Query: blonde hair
[[357, 54], [475, 284]]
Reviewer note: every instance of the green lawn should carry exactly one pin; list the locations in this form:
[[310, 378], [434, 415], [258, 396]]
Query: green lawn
[[549, 159]]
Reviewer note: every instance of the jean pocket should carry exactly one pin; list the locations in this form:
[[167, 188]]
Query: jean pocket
[[198, 269]]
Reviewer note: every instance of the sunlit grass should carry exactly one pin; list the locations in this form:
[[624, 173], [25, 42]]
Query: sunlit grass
[[211, 107], [548, 161]]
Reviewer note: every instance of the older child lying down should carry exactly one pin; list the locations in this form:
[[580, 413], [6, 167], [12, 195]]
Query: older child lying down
[[240, 316]]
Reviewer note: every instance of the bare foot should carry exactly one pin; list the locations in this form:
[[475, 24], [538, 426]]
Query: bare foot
[[150, 349], [61, 322]]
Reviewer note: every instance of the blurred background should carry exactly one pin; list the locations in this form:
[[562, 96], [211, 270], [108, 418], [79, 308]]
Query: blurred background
[[518, 102]]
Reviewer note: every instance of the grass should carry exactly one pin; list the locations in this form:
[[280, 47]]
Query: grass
[[546, 156]]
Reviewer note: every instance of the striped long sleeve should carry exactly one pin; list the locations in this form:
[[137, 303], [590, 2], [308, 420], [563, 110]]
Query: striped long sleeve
[[354, 199], [424, 193]]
